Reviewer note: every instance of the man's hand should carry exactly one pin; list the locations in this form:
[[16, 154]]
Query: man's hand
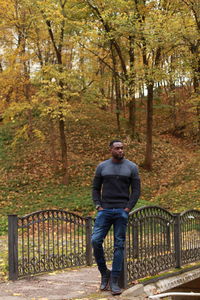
[[127, 209], [100, 208]]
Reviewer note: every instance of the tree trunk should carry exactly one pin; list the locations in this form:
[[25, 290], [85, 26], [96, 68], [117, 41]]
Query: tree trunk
[[58, 53], [65, 179], [26, 75], [148, 156], [118, 102], [52, 144], [198, 118], [112, 94], [196, 82], [172, 97], [132, 103], [132, 113], [117, 88], [149, 133], [197, 92]]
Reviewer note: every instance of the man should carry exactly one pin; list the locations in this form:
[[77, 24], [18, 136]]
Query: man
[[116, 190]]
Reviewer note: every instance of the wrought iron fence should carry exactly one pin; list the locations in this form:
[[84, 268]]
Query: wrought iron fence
[[50, 240], [150, 242], [157, 240], [190, 236]]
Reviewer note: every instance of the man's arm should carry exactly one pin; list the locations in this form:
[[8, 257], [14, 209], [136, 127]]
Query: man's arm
[[135, 189], [96, 187]]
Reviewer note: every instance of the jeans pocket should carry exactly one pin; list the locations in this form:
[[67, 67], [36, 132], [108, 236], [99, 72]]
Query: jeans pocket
[[127, 213], [124, 214]]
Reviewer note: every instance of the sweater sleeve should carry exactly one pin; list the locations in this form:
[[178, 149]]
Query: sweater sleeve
[[96, 187], [135, 189]]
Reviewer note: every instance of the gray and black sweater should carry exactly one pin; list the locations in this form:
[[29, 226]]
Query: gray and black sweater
[[116, 185]]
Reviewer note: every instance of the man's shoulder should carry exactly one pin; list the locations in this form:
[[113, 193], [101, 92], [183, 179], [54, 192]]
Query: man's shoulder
[[133, 168], [104, 163], [130, 163]]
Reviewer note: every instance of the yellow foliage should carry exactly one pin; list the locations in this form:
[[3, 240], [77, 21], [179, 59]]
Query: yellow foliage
[[21, 133], [39, 134]]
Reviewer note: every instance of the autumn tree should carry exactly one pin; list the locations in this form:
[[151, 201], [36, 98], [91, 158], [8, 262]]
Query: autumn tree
[[16, 57], [62, 80], [31, 52], [191, 37], [118, 31]]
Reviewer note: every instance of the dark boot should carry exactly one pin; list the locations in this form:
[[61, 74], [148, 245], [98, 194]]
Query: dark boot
[[115, 289], [105, 278]]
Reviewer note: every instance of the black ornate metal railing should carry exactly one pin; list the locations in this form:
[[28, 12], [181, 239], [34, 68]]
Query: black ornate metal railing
[[157, 240], [150, 244], [190, 236], [50, 240]]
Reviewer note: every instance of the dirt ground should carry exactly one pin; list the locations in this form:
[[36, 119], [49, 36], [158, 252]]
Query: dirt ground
[[81, 283]]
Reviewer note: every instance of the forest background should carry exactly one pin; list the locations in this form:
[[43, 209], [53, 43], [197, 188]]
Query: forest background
[[75, 74]]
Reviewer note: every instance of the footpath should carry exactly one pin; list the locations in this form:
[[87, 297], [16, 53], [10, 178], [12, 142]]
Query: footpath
[[80, 283]]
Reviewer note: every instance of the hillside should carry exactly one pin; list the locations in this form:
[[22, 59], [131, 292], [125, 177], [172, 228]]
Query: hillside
[[28, 182]]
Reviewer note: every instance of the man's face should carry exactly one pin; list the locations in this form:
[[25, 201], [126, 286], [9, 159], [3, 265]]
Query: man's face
[[117, 150]]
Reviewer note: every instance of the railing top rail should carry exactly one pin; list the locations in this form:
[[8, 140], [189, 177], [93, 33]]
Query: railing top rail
[[151, 207], [51, 211], [190, 211]]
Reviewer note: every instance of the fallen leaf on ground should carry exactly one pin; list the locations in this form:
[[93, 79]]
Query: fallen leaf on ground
[[134, 282]]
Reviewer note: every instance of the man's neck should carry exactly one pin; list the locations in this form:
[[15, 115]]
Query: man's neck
[[118, 161]]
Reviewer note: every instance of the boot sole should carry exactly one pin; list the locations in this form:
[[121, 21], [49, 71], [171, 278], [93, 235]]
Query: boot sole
[[116, 293]]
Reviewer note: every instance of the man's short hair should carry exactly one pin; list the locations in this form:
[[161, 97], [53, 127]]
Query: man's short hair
[[114, 141]]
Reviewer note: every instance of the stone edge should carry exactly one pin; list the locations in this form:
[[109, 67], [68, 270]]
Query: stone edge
[[162, 285]]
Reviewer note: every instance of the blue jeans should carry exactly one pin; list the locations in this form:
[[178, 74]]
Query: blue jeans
[[105, 218]]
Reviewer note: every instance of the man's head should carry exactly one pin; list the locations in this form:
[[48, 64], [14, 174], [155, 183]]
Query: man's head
[[117, 150]]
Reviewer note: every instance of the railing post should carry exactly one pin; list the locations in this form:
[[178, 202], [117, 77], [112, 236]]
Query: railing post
[[13, 246], [168, 237], [177, 240], [123, 275], [88, 241], [135, 240]]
